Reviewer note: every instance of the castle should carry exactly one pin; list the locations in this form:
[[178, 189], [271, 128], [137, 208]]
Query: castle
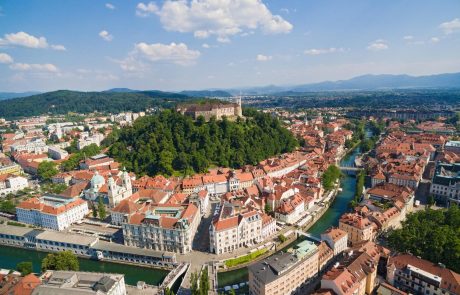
[[218, 110]]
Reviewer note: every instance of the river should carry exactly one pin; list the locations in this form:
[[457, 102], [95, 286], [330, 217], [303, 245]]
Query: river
[[329, 218], [10, 257]]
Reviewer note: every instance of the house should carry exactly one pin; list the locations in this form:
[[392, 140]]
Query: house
[[336, 239], [357, 227], [290, 210]]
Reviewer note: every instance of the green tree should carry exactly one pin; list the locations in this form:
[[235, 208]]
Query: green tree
[[430, 201], [64, 260], [330, 176], [194, 288], [46, 170], [282, 238], [25, 267], [204, 282], [101, 209], [94, 210], [268, 209], [432, 234]]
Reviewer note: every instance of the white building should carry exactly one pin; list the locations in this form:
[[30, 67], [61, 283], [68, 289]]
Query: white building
[[337, 239], [84, 283], [117, 193], [87, 139], [290, 210], [52, 211], [227, 234], [35, 146], [56, 153], [164, 227], [12, 184]]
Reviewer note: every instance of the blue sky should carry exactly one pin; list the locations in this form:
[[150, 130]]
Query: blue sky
[[197, 44]]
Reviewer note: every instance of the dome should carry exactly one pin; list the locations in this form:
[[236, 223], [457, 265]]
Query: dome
[[97, 180]]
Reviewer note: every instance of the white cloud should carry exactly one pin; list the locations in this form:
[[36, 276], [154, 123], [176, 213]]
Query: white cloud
[[59, 47], [261, 57], [177, 53], [220, 18], [144, 10], [205, 45], [5, 58], [450, 27], [34, 67], [26, 40], [378, 45], [314, 51], [435, 40], [110, 6], [105, 35], [408, 38]]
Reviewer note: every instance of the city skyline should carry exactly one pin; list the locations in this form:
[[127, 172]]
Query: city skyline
[[200, 44]]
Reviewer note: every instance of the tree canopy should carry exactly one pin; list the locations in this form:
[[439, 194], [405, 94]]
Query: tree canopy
[[330, 176], [432, 234], [64, 260], [46, 170], [170, 143]]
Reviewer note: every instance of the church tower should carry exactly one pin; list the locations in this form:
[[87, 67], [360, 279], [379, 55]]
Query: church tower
[[126, 181], [112, 191]]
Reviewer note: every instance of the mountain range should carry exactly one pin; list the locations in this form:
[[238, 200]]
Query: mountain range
[[364, 82]]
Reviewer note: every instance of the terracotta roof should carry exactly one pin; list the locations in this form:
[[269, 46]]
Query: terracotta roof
[[450, 279], [26, 285], [335, 234], [74, 190]]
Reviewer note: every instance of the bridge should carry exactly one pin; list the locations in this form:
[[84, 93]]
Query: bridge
[[350, 169], [173, 276]]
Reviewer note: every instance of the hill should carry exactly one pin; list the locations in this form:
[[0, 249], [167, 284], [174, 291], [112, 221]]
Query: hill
[[8, 95], [364, 82], [64, 101], [206, 93], [169, 143]]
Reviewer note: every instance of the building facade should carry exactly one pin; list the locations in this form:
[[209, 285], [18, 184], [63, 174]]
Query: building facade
[[52, 211]]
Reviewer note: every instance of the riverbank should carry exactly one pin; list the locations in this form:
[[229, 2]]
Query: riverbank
[[11, 256]]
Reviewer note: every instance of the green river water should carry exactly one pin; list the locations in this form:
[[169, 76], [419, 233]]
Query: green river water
[[10, 257]]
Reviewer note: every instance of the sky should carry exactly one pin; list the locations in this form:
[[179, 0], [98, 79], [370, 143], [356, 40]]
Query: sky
[[203, 44]]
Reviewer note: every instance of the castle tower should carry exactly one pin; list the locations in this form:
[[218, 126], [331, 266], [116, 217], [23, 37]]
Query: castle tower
[[239, 109]]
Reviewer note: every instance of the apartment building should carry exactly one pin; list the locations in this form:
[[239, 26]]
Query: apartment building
[[358, 228], [230, 231], [164, 227], [445, 186], [418, 276], [284, 272]]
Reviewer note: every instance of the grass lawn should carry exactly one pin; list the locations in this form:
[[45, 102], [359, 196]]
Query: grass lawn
[[244, 259]]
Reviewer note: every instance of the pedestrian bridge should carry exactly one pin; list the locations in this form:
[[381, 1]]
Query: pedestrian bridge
[[350, 169]]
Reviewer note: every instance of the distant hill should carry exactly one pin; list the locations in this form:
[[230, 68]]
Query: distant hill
[[365, 82], [8, 95], [64, 101], [206, 93], [122, 90]]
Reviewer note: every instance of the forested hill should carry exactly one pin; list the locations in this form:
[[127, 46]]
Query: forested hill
[[169, 143], [64, 101]]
